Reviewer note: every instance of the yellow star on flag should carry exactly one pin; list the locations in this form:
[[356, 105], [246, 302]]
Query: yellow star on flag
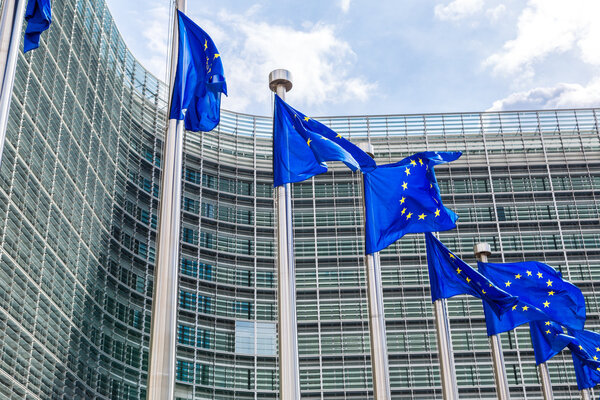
[[339, 135], [451, 255], [205, 44], [422, 216], [308, 142], [408, 215], [437, 212], [458, 270], [597, 348], [514, 307], [549, 283], [518, 276], [217, 55], [548, 332], [546, 304], [403, 211], [580, 348], [508, 283], [528, 273], [468, 279], [404, 185], [525, 308], [548, 323], [482, 291], [539, 274], [595, 358], [402, 200], [306, 118], [413, 163], [407, 171], [551, 293], [420, 162]]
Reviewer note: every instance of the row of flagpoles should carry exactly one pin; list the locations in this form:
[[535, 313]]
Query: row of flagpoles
[[398, 199], [403, 198]]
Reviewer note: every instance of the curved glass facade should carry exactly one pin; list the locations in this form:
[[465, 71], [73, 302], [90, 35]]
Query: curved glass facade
[[78, 215]]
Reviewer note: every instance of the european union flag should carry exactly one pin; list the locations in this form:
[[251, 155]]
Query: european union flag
[[405, 198], [543, 295], [548, 340], [301, 146], [450, 276], [39, 17], [585, 350], [199, 79]]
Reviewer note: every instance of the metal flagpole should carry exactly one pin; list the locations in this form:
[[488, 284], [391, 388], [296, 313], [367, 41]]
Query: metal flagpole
[[379, 354], [546, 384], [280, 81], [445, 354], [482, 251], [11, 25], [585, 394], [161, 368]]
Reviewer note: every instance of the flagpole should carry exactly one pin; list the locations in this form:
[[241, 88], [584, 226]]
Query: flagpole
[[280, 81], [162, 356], [546, 383], [11, 25], [379, 355], [482, 251], [445, 353], [585, 394]]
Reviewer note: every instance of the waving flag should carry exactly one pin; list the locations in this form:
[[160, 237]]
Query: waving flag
[[450, 276], [301, 146], [543, 295], [39, 17], [548, 340], [405, 198], [199, 79], [585, 351]]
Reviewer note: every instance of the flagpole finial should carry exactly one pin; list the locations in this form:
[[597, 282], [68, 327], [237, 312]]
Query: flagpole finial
[[280, 78], [482, 251], [367, 148]]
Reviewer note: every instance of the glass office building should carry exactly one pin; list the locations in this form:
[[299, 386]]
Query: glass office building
[[79, 186]]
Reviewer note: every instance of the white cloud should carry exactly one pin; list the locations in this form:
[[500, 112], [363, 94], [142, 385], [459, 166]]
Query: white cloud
[[495, 13], [344, 5], [157, 37], [562, 95], [458, 9], [546, 27], [319, 61]]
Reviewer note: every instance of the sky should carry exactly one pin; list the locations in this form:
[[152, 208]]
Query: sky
[[359, 57]]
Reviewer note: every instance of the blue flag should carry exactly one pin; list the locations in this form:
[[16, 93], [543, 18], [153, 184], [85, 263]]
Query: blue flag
[[405, 198], [301, 146], [585, 350], [543, 296], [39, 16], [548, 340], [450, 276], [199, 79], [521, 313]]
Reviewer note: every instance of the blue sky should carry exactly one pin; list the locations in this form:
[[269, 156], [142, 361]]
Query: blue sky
[[352, 57]]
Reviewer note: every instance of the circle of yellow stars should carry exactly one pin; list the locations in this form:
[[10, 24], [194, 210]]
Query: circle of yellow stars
[[546, 304], [405, 212]]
